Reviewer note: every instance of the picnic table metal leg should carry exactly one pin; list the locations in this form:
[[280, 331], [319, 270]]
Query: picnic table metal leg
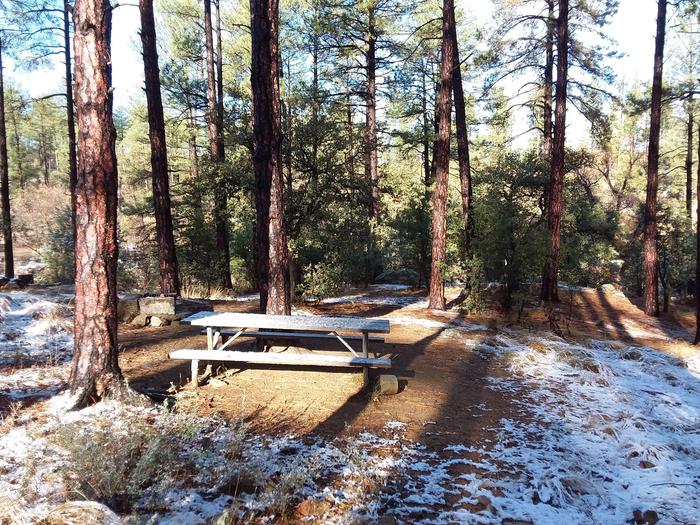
[[195, 373], [365, 353], [212, 338]]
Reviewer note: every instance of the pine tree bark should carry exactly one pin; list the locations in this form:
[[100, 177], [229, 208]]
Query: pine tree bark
[[70, 110], [5, 181], [465, 176], [547, 87], [273, 260], [549, 290], [689, 161], [371, 144], [216, 145], [436, 298], [18, 148], [697, 252], [651, 284], [165, 240], [95, 372]]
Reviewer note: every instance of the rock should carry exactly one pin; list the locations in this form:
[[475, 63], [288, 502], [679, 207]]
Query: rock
[[140, 320], [513, 521], [646, 464], [632, 355], [388, 384], [387, 520], [25, 279], [128, 308], [607, 288], [408, 277], [81, 512], [158, 321], [650, 517], [3, 281], [157, 306]]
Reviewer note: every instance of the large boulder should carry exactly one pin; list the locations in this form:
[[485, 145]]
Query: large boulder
[[128, 308], [159, 306]]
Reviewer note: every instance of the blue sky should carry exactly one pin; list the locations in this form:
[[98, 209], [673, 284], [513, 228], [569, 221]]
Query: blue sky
[[633, 27]]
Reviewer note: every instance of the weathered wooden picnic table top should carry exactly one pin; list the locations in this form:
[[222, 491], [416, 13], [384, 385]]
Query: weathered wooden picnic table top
[[288, 322]]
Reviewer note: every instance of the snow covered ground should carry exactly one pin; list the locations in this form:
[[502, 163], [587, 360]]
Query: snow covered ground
[[601, 430], [35, 343]]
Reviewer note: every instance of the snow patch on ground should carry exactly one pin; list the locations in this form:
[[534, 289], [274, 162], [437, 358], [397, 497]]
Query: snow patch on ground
[[36, 342]]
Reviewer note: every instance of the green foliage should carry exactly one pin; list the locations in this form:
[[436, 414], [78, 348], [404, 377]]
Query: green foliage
[[322, 280], [58, 251]]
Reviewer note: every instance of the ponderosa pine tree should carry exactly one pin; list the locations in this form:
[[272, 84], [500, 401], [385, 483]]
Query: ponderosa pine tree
[[95, 372], [272, 256], [5, 180], [697, 251], [167, 259], [555, 205], [216, 146], [465, 176], [436, 297], [651, 279]]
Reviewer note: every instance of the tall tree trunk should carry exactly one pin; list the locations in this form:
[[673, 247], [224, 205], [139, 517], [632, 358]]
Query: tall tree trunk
[[547, 88], [651, 285], [70, 110], [18, 148], [216, 146], [273, 271], [371, 144], [95, 372], [550, 290], [465, 176], [5, 182], [697, 251], [689, 161], [167, 260], [351, 138], [425, 201], [436, 299], [44, 152]]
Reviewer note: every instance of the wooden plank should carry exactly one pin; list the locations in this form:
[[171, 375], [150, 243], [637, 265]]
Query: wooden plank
[[300, 335], [288, 322], [282, 358]]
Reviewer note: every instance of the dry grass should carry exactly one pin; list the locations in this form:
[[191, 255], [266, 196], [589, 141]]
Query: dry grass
[[9, 420]]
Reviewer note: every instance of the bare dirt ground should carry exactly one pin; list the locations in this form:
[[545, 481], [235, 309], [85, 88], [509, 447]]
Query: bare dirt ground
[[444, 395]]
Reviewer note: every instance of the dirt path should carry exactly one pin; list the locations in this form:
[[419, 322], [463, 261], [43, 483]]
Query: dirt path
[[444, 394]]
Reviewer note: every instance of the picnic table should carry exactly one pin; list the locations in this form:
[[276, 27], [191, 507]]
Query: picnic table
[[231, 325]]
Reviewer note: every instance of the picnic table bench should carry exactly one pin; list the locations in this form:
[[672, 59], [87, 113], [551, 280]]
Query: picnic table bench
[[231, 325]]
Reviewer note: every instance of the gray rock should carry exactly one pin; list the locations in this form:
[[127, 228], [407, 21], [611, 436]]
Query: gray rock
[[607, 288], [140, 320], [159, 321], [128, 309], [157, 306]]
